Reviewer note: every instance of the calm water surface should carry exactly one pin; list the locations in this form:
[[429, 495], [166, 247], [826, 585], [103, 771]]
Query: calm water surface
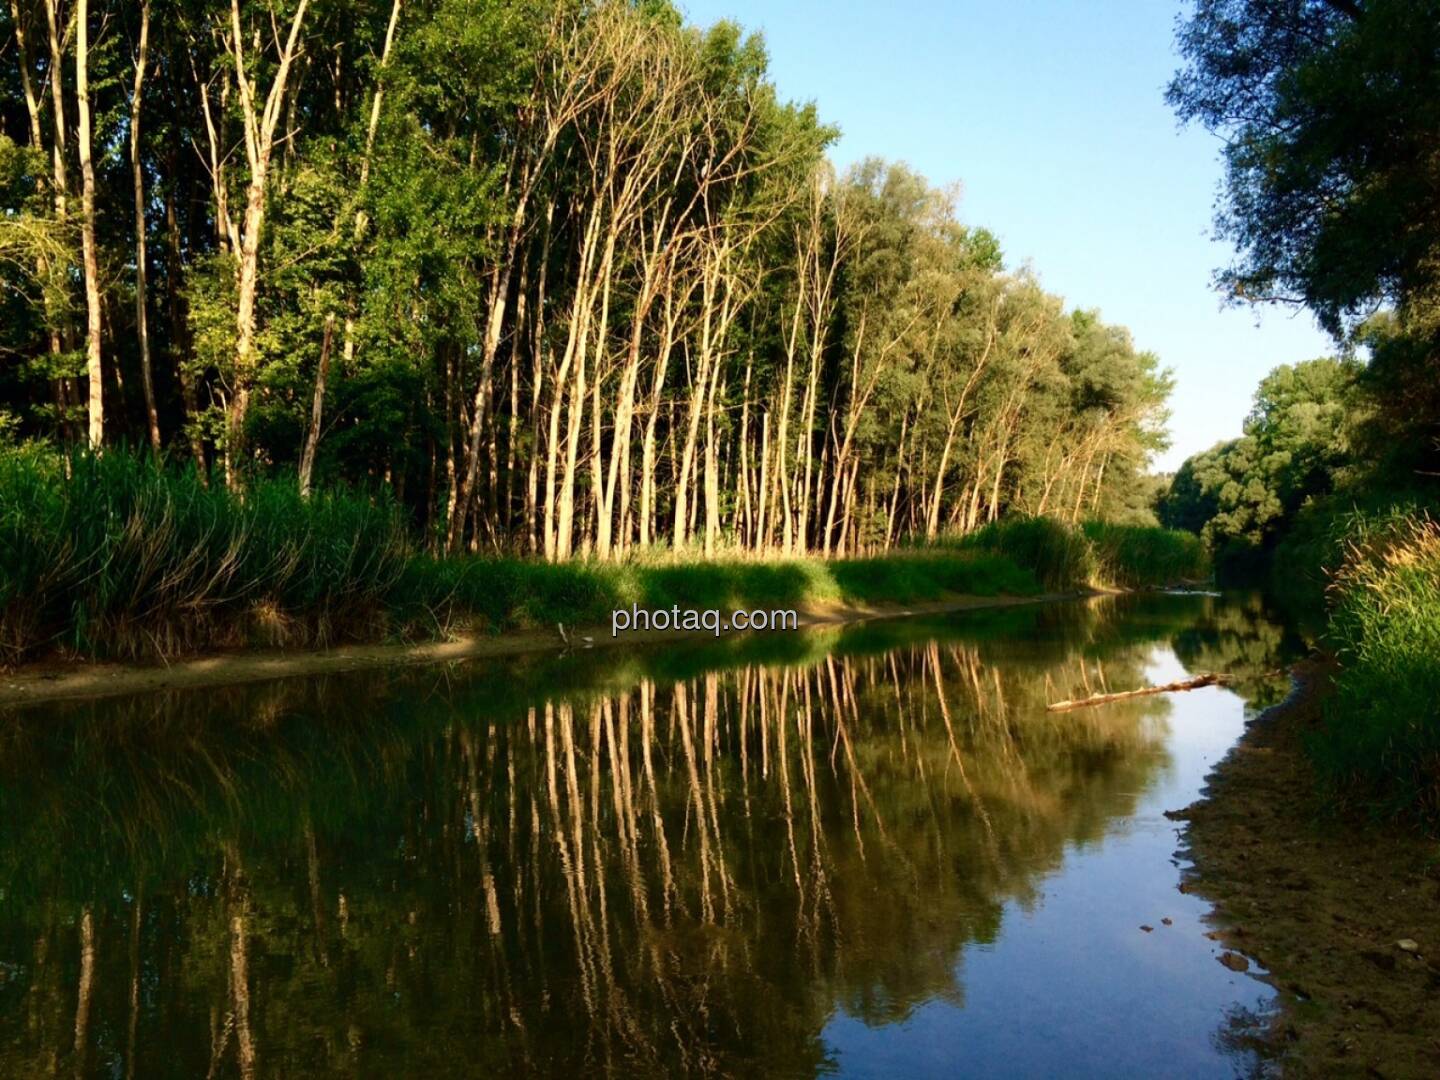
[[866, 851]]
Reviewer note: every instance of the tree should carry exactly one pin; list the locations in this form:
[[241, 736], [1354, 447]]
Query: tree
[[1295, 449], [1326, 206], [1330, 111]]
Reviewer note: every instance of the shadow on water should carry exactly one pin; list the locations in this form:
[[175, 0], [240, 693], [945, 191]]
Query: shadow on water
[[672, 859]]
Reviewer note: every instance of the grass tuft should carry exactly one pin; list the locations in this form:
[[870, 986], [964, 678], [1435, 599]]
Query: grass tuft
[[114, 555], [1132, 556]]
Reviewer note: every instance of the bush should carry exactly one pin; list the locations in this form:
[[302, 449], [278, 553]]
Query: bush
[[1058, 555]]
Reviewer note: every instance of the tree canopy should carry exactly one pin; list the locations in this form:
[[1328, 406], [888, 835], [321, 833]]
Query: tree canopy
[[1295, 449], [1331, 114], [1330, 111]]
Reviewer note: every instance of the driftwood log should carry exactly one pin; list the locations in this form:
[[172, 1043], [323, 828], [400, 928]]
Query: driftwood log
[[1102, 699]]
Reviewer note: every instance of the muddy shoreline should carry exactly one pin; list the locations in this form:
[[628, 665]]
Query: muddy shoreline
[[1341, 916], [62, 679]]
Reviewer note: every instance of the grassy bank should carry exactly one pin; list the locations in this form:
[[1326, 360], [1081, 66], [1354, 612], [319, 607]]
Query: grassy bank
[[1379, 742], [1362, 569], [114, 556], [1322, 537]]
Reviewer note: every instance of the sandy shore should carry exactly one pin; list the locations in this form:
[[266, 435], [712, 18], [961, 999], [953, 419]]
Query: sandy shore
[[59, 680], [1341, 916]]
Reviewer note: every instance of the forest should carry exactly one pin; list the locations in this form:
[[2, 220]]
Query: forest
[[559, 278]]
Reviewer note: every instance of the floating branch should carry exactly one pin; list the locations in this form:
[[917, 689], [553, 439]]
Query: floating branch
[[1102, 699]]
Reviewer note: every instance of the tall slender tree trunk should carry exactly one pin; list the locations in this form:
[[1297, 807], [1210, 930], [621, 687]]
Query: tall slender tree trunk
[[37, 143], [259, 148], [762, 537], [712, 470], [93, 369], [137, 174], [561, 502], [647, 452], [317, 407], [744, 521], [700, 381], [537, 395]]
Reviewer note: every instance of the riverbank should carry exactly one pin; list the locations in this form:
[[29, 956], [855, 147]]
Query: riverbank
[[117, 558], [59, 680], [1342, 915]]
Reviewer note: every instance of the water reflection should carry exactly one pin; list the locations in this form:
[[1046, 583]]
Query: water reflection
[[675, 860]]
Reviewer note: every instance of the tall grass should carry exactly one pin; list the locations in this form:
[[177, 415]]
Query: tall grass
[[112, 554], [1097, 553], [1323, 534], [1058, 556], [1380, 738], [115, 555], [1131, 556], [505, 593]]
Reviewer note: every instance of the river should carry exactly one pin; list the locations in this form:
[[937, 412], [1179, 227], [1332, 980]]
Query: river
[[864, 851]]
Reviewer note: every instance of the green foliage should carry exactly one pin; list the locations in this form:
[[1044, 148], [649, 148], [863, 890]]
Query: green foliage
[[1380, 742], [1322, 201], [1059, 556], [1241, 495], [1132, 556], [114, 555], [1097, 553], [1320, 198], [510, 211], [499, 594], [1314, 548], [1334, 472]]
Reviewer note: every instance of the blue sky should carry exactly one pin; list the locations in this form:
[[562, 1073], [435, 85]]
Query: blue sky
[[1051, 115]]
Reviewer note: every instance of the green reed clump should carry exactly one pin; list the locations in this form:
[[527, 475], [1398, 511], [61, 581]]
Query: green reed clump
[[1318, 542], [1057, 554], [1380, 739], [114, 555], [1064, 556], [910, 578], [1131, 556], [437, 595]]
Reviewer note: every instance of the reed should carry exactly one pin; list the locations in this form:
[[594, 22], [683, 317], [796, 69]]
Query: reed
[[116, 555], [1379, 742], [1095, 553]]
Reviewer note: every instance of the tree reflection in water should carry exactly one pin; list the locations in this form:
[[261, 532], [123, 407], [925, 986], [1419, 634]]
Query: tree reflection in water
[[670, 860]]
